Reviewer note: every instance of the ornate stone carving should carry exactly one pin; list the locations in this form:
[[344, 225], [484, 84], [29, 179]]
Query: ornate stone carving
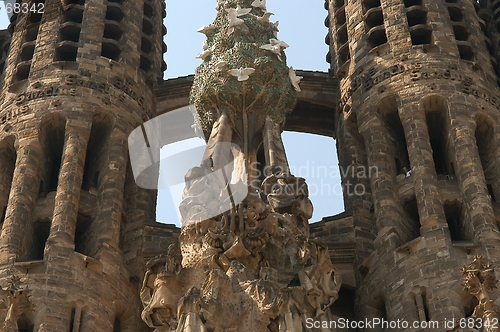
[[480, 281], [14, 302], [245, 262]]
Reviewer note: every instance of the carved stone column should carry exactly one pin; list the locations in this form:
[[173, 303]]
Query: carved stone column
[[62, 230], [430, 208], [21, 200], [472, 182], [383, 185]]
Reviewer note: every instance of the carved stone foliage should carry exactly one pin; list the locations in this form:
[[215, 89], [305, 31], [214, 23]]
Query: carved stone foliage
[[480, 281], [14, 302]]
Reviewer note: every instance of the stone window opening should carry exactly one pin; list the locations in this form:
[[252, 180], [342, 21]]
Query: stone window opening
[[2, 217], [419, 297], [388, 112], [416, 14], [454, 218], [24, 324], [435, 109], [52, 140], [8, 158], [412, 225], [96, 149], [117, 324], [147, 36], [28, 45], [82, 234], [77, 311], [113, 31], [69, 31], [340, 31], [374, 23], [460, 30], [42, 232]]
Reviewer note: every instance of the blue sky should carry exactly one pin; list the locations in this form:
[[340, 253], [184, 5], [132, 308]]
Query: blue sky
[[302, 27]]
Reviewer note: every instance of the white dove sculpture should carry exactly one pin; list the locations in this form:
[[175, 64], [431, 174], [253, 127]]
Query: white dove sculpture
[[264, 20], [259, 4], [281, 43], [235, 13], [294, 79], [205, 54], [275, 46], [241, 73], [207, 28]]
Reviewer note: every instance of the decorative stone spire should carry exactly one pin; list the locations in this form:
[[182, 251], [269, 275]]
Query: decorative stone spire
[[245, 261]]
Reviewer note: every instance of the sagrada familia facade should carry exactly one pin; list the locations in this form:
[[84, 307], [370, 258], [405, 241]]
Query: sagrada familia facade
[[412, 98]]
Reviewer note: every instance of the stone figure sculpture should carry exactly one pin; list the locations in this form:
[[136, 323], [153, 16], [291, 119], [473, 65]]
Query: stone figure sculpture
[[480, 281], [14, 302], [246, 262]]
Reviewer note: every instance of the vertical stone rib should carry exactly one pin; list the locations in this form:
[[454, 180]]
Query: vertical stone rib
[[383, 186], [430, 208], [62, 230], [472, 182], [21, 201], [109, 214]]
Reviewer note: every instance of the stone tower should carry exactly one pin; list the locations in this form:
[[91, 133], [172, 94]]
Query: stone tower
[[78, 78], [418, 89]]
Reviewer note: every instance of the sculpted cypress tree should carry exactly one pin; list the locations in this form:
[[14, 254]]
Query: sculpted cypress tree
[[245, 261]]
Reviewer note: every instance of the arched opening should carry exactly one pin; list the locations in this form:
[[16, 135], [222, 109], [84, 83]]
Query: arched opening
[[95, 158], [344, 306], [52, 141], [488, 152], [412, 225], [7, 165], [83, 234], [454, 218], [435, 113], [117, 326], [24, 324], [42, 232], [388, 112]]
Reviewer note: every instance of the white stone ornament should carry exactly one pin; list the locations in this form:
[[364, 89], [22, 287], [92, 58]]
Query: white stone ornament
[[205, 54], [259, 4], [264, 20], [234, 19], [275, 28], [242, 73], [206, 29], [281, 43], [243, 11], [275, 46], [294, 79]]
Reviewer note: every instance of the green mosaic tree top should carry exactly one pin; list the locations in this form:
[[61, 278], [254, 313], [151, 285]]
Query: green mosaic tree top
[[244, 67]]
